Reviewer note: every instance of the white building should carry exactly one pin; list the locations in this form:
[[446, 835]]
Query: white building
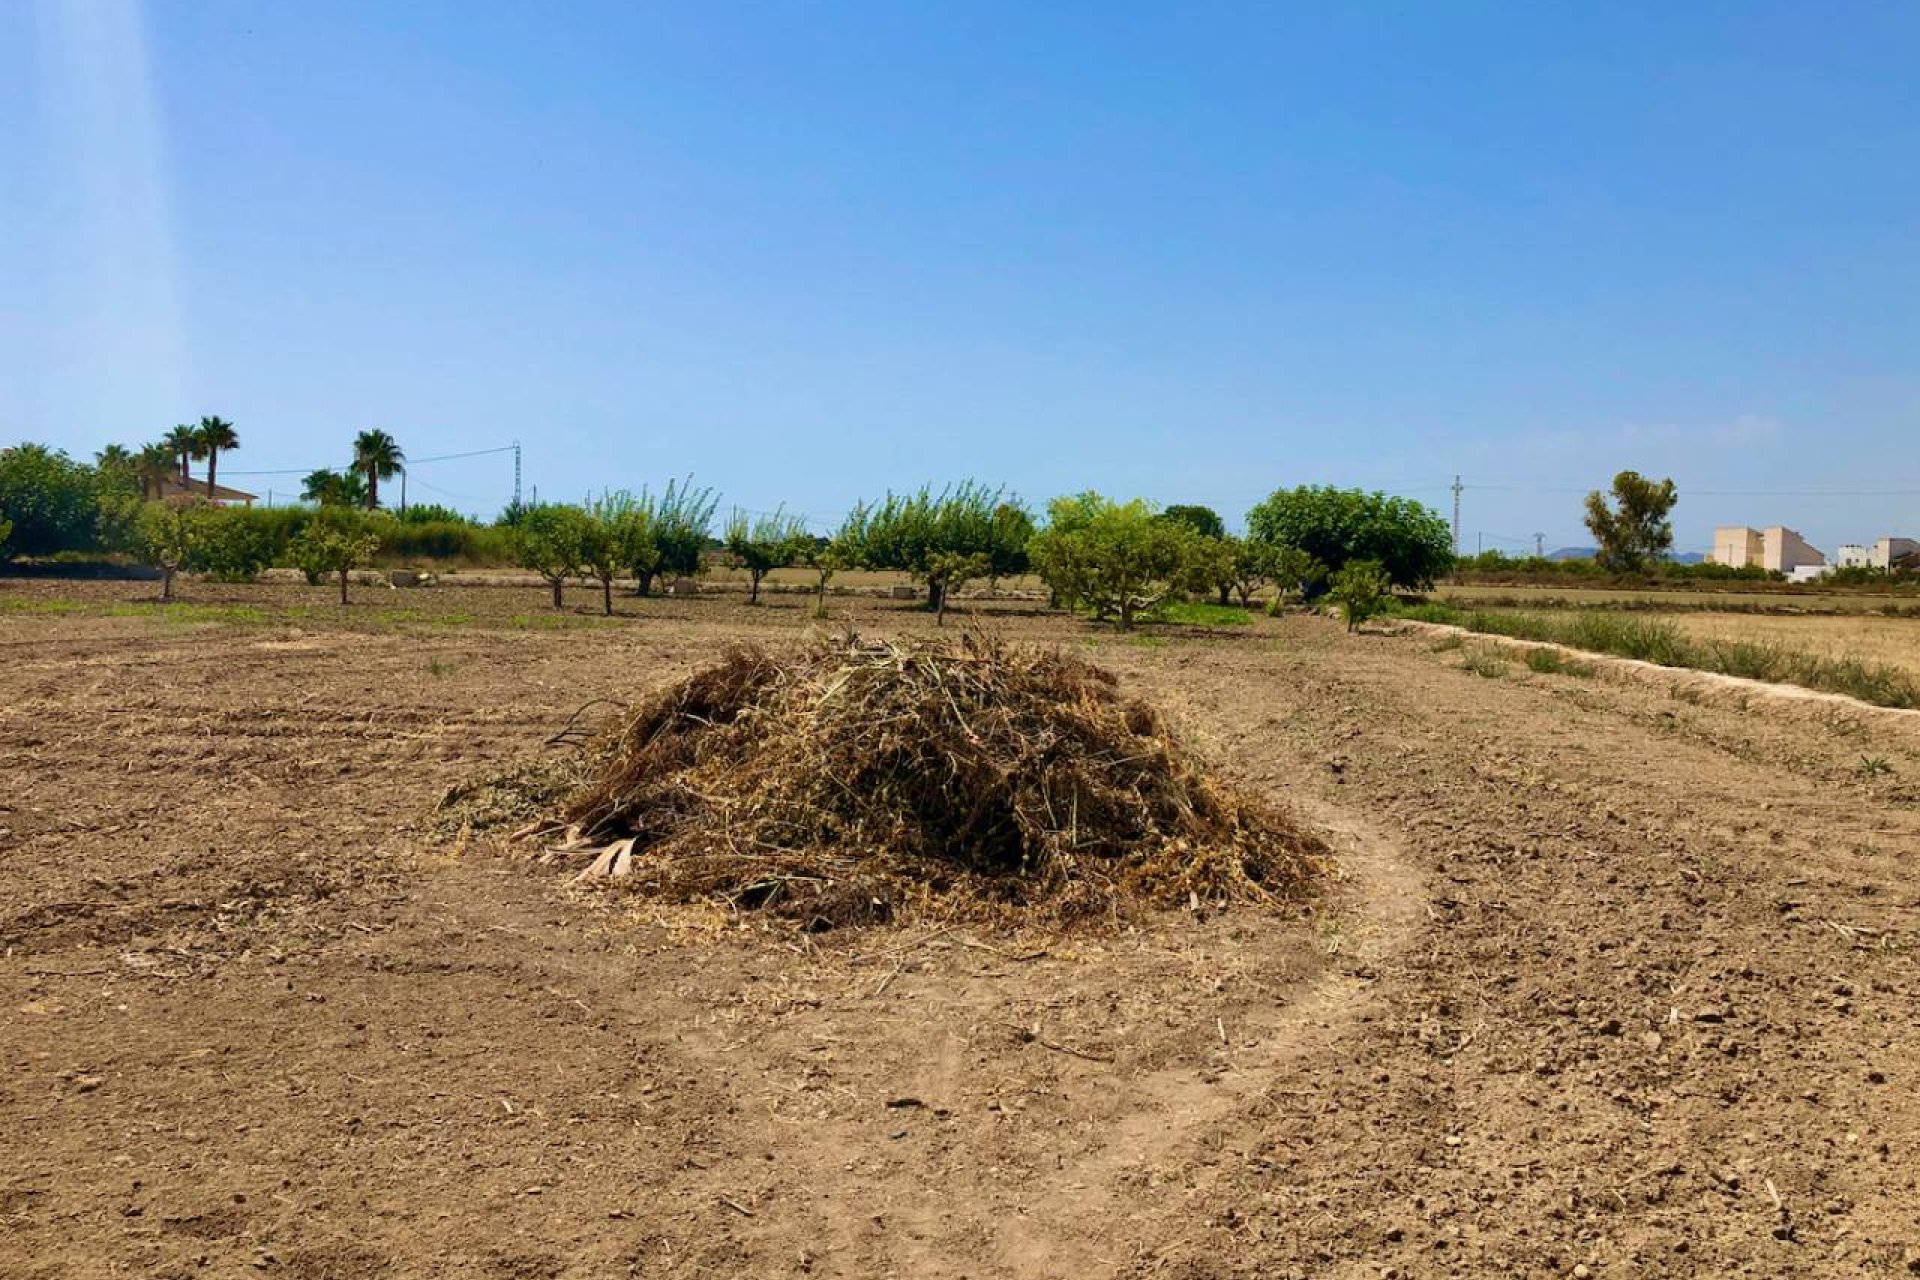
[[1776, 549]]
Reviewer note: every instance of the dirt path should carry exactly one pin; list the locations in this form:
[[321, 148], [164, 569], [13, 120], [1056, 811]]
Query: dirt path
[[1616, 980]]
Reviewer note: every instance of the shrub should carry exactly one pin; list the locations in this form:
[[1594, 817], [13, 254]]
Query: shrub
[[231, 544], [1410, 542]]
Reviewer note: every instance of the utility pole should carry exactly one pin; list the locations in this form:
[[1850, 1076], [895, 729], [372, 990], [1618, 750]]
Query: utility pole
[[1456, 515], [403, 491], [516, 475], [1539, 546]]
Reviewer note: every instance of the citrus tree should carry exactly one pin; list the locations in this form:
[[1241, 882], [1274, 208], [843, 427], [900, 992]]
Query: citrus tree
[[552, 540], [1362, 589], [1116, 558], [165, 535], [335, 541]]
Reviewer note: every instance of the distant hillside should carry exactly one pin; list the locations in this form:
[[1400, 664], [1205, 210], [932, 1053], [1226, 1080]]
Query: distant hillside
[[1588, 553]]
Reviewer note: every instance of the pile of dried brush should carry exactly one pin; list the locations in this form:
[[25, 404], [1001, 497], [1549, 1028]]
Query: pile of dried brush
[[857, 780]]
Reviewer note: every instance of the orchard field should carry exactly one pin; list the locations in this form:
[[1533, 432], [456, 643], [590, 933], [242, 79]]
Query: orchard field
[[1616, 976]]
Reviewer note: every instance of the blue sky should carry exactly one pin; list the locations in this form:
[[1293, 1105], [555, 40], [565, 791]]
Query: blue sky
[[810, 251]]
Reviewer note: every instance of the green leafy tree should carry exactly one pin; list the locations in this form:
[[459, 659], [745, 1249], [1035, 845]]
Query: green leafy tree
[[680, 525], [1204, 521], [1249, 566], [617, 537], [1210, 568], [1117, 558], [377, 456], [552, 540], [1295, 574], [164, 535], [1362, 589], [1409, 540], [954, 570], [337, 540], [6, 531], [213, 435], [50, 499], [761, 544], [1634, 530], [922, 534], [826, 557]]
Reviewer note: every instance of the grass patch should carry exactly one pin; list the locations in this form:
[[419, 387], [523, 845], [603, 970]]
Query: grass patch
[[1482, 663], [1195, 614], [1551, 662], [178, 613], [1664, 644]]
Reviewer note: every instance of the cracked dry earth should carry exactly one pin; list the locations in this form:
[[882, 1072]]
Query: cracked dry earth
[[1619, 979]]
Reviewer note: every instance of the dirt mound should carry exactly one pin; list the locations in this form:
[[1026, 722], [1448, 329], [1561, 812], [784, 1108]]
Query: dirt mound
[[854, 780]]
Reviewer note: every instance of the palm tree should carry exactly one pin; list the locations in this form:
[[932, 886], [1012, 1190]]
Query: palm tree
[[334, 488], [215, 434], [113, 458], [185, 443], [151, 466], [378, 457]]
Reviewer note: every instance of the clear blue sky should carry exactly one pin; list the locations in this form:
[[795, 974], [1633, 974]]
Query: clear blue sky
[[810, 251]]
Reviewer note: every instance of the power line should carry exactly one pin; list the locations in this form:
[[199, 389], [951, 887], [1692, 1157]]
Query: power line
[[411, 462]]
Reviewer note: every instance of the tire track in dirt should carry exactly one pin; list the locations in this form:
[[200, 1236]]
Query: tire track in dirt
[[1172, 1111]]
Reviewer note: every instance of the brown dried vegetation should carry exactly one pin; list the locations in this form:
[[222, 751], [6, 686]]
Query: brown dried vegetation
[[854, 781]]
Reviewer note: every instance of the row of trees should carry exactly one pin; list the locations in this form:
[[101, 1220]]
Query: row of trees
[[1110, 558], [1114, 559]]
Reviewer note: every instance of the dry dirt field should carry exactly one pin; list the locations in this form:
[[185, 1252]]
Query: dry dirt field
[[1619, 979]]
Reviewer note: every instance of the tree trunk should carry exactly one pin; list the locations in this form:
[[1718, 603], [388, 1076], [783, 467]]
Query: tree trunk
[[343, 587], [557, 586], [373, 488], [166, 583], [606, 594], [213, 466], [1226, 594], [937, 595], [1126, 613], [753, 591], [643, 582]]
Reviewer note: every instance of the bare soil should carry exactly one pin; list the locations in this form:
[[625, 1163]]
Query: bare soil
[[1619, 979]]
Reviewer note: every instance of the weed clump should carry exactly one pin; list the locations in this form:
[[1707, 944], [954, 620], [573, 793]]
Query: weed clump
[[855, 781]]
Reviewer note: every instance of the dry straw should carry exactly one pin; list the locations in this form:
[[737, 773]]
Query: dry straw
[[857, 781]]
